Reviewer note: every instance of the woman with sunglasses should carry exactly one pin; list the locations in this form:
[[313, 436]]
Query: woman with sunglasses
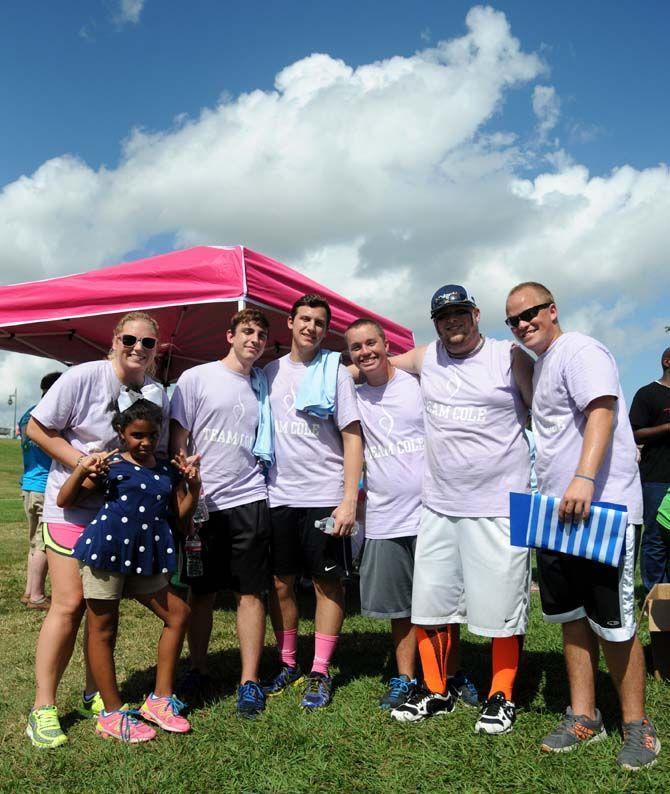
[[72, 421]]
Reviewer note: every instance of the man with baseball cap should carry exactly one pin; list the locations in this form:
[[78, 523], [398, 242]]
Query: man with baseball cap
[[476, 453], [585, 452], [650, 418]]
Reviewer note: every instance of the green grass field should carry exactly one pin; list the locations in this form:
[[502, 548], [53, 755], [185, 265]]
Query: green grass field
[[349, 747]]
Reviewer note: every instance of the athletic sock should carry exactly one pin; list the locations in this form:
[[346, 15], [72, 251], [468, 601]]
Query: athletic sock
[[505, 653], [454, 657], [287, 644], [434, 652], [324, 648]]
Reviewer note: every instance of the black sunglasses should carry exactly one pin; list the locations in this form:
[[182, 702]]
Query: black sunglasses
[[128, 340], [526, 316]]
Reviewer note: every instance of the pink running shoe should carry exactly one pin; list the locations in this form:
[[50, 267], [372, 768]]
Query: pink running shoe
[[124, 726], [164, 712]]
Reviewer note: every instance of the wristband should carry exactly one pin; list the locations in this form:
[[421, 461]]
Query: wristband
[[584, 477]]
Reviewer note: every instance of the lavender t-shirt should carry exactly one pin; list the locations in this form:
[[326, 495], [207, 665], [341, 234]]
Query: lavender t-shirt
[[219, 409], [309, 466], [392, 421], [476, 448], [77, 406], [575, 370]]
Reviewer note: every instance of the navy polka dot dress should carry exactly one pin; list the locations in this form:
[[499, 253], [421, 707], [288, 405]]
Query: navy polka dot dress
[[130, 534]]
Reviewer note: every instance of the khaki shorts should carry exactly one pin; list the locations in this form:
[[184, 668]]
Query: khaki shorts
[[113, 586], [33, 502]]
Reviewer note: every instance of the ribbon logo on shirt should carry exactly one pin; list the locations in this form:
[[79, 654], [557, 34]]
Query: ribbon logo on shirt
[[453, 384], [289, 400], [386, 423], [238, 410]]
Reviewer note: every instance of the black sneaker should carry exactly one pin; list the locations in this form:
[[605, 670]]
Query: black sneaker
[[423, 704], [498, 715], [463, 690]]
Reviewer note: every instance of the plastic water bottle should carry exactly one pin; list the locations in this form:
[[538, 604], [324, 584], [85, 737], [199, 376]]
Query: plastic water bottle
[[201, 513], [327, 525], [193, 550]]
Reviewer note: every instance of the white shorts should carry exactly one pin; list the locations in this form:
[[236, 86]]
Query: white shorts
[[466, 571]]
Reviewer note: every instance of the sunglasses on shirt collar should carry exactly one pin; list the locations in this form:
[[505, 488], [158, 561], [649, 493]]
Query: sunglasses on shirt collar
[[526, 316], [128, 340]]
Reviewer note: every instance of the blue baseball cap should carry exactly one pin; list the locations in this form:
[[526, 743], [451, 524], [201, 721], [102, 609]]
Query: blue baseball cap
[[450, 295]]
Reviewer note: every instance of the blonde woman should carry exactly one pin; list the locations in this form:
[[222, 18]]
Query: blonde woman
[[72, 421]]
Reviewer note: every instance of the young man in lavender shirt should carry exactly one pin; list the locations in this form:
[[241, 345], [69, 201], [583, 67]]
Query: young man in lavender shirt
[[586, 452], [214, 413], [318, 463], [391, 412], [475, 394]]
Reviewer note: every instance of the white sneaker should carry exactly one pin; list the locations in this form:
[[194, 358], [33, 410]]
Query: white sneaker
[[423, 704], [498, 715]]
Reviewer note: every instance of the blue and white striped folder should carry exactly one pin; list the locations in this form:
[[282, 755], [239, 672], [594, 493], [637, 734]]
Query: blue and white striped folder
[[534, 522]]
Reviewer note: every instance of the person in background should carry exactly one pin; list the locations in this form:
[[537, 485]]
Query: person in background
[[36, 465], [650, 419]]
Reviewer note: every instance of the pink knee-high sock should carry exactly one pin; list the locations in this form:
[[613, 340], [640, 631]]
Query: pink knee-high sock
[[287, 643], [324, 648]]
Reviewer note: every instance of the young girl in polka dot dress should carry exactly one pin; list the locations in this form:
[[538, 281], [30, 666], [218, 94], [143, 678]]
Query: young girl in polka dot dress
[[128, 549]]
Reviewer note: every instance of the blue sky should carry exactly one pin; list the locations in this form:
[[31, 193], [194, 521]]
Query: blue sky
[[78, 78]]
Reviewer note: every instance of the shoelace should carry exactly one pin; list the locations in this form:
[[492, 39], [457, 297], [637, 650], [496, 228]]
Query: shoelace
[[467, 683], [251, 693], [315, 686], [639, 735], [398, 686], [175, 704], [49, 721], [127, 721]]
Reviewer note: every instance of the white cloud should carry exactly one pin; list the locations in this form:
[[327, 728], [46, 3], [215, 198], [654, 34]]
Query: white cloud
[[382, 181], [129, 12], [547, 108]]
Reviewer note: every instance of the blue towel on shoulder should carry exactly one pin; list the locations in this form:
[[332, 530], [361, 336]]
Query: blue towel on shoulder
[[318, 390], [264, 446]]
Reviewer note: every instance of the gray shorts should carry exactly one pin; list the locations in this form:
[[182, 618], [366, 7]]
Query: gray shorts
[[386, 577]]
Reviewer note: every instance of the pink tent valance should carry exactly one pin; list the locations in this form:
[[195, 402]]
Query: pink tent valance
[[192, 294]]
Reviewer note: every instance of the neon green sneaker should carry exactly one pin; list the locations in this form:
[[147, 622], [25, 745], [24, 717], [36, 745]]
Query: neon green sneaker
[[91, 705], [44, 729]]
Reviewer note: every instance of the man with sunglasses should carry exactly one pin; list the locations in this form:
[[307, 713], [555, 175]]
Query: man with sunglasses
[[585, 452], [476, 453]]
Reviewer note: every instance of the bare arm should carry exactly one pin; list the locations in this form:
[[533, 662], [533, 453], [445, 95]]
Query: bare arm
[[187, 491], [522, 370], [52, 443], [597, 439], [345, 513], [87, 467], [411, 361], [644, 434], [178, 438]]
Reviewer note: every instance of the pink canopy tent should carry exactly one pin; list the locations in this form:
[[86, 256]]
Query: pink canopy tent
[[192, 294]]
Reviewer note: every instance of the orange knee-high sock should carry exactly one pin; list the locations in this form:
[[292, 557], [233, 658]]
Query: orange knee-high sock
[[434, 652], [505, 653]]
